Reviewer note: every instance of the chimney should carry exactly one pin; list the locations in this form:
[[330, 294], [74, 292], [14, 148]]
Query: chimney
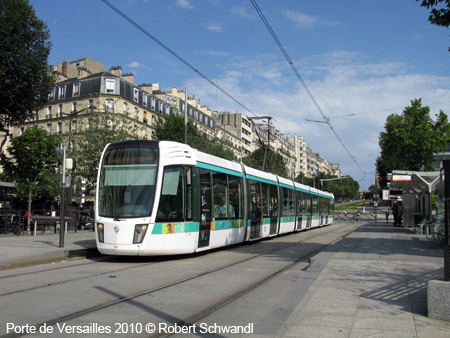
[[64, 68]]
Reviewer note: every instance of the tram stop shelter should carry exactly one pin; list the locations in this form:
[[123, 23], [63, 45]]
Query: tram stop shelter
[[414, 189]]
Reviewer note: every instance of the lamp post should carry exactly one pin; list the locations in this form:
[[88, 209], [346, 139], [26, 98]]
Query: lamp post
[[62, 209], [65, 181], [268, 136]]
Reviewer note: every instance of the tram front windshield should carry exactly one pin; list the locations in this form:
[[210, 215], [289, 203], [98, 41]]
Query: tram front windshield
[[127, 181]]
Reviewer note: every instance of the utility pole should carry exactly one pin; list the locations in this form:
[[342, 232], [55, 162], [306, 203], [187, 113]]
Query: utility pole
[[268, 136]]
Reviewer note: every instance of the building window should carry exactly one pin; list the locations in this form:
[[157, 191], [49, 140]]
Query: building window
[[60, 110], [74, 106], [153, 106], [76, 89], [145, 117], [51, 95], [49, 129], [91, 103], [59, 128], [125, 108], [109, 106], [110, 86], [136, 112], [135, 95], [61, 92], [48, 115], [144, 99]]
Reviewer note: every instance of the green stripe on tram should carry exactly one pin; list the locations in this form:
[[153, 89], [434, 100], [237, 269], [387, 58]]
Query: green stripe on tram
[[175, 228], [219, 169]]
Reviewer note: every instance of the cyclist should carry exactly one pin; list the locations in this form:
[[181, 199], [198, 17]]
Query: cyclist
[[356, 215], [344, 215]]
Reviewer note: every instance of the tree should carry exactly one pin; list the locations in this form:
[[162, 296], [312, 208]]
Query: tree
[[410, 139], [32, 164], [438, 16], [26, 78], [274, 162], [172, 129], [94, 131]]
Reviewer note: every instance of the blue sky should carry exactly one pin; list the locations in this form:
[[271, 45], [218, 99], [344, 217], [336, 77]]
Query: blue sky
[[361, 60]]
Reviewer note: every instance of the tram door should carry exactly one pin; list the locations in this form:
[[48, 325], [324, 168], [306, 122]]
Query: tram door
[[206, 208], [273, 198], [255, 209]]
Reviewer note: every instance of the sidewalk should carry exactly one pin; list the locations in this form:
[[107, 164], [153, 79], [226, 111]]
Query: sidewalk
[[373, 283], [20, 251]]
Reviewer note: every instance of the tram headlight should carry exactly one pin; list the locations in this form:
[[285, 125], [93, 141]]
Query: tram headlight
[[139, 233], [101, 232]]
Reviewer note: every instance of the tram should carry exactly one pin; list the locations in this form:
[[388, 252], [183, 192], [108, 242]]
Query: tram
[[166, 198]]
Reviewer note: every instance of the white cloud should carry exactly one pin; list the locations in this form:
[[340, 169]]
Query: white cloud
[[184, 4], [241, 11], [215, 27], [136, 66], [307, 21]]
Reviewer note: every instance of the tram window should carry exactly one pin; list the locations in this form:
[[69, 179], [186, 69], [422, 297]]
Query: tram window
[[288, 202], [273, 207], [205, 193], [315, 209], [255, 202], [265, 199], [235, 197], [220, 195], [188, 198], [308, 203], [300, 203], [173, 198]]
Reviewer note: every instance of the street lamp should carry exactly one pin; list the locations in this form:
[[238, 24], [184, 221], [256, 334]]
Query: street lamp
[[65, 181]]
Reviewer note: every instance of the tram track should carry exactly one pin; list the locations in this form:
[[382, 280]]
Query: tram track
[[215, 305], [155, 260]]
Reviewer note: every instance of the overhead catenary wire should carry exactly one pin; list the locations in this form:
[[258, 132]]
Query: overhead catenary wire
[[186, 63], [326, 120]]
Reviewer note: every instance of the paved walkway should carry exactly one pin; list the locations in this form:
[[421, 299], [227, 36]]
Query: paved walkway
[[21, 251], [373, 283]]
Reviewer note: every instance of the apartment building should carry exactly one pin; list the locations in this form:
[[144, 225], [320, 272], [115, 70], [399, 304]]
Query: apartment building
[[83, 86]]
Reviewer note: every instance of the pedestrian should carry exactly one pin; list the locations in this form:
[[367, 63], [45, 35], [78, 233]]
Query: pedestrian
[[395, 212], [399, 214]]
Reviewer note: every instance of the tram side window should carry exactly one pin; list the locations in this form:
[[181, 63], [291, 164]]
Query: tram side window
[[175, 203], [205, 193], [288, 202], [265, 199], [255, 202], [273, 191], [235, 197], [308, 204], [300, 203], [315, 209], [220, 195]]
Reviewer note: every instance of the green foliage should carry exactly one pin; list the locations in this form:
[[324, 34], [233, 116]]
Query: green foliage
[[96, 130], [342, 188], [440, 13], [410, 139], [32, 163], [172, 129], [274, 162], [26, 77]]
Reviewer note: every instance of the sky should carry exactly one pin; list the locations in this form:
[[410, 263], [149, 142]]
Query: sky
[[360, 60]]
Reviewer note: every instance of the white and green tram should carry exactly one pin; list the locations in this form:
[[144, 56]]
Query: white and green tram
[[166, 198]]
